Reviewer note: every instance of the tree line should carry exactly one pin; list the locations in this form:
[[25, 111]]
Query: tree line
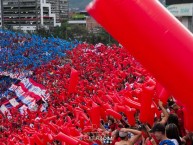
[[78, 32]]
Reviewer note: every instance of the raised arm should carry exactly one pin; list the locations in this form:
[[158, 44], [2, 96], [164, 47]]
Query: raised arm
[[137, 134], [166, 115]]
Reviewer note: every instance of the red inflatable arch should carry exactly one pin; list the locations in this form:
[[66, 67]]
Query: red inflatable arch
[[156, 38]]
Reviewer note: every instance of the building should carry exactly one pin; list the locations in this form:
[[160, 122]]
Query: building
[[83, 18], [60, 8], [92, 25], [77, 18], [182, 10], [28, 15], [77, 22]]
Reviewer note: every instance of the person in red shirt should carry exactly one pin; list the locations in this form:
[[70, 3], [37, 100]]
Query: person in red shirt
[[175, 109], [112, 124]]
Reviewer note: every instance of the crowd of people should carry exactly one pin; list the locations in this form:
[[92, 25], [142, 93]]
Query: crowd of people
[[105, 106], [21, 52]]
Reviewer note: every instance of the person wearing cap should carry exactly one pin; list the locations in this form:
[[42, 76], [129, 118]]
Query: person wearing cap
[[124, 136], [159, 131]]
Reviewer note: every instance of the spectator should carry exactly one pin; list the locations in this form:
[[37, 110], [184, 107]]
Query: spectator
[[124, 136], [176, 109], [188, 138], [159, 132], [173, 118], [165, 116], [112, 124], [115, 137], [173, 134]]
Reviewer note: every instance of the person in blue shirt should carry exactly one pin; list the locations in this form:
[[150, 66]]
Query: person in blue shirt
[[160, 134]]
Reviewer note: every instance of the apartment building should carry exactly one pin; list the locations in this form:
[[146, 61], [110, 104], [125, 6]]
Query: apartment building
[[29, 15]]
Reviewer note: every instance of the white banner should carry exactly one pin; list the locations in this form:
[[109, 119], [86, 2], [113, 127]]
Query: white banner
[[180, 10]]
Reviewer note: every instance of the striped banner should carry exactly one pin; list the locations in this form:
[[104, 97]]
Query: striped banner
[[27, 92]]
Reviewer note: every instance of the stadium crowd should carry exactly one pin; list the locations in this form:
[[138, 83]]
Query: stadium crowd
[[92, 111]]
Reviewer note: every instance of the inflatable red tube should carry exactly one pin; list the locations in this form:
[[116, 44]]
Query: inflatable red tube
[[73, 81], [37, 140], [28, 131], [116, 99], [131, 103], [84, 116], [119, 108], [65, 130], [25, 140], [130, 113], [53, 128], [81, 142], [74, 131], [162, 94], [50, 118], [60, 122], [45, 138], [146, 114], [125, 109], [31, 140], [99, 100], [10, 142], [81, 123], [67, 139], [113, 113], [163, 47], [88, 129], [50, 137], [68, 119], [106, 106], [102, 113], [95, 116]]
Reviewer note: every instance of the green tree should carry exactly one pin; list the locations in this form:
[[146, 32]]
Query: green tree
[[79, 32]]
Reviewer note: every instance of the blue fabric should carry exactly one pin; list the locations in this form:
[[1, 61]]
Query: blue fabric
[[168, 142], [5, 83], [24, 50]]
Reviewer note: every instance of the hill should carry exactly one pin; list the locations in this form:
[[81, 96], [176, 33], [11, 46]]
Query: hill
[[81, 4]]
